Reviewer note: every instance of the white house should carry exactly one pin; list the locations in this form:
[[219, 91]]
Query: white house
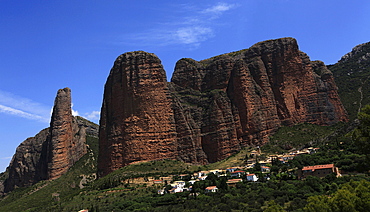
[[180, 184], [237, 173], [252, 177], [216, 171], [203, 178], [231, 169], [265, 169], [202, 173], [193, 181], [211, 189], [233, 182]]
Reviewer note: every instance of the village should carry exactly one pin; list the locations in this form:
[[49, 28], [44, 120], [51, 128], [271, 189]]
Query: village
[[255, 170]]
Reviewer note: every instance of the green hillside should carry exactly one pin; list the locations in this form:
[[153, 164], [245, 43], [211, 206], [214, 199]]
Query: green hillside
[[352, 76], [132, 189], [48, 195]]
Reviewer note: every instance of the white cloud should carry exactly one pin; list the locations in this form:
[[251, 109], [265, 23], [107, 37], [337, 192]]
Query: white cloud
[[20, 113], [74, 112], [6, 158], [193, 35], [23, 104], [93, 116], [189, 30], [219, 8]]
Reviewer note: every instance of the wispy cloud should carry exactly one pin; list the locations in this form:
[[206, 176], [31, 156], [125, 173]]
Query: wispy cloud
[[189, 30], [6, 158], [219, 8], [193, 35], [16, 112], [92, 116], [22, 107]]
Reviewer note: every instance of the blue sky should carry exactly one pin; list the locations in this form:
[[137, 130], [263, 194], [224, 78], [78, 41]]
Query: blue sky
[[48, 45]]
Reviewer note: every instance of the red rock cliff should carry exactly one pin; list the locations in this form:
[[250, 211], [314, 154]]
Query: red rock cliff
[[53, 150], [213, 107], [241, 98], [67, 141], [137, 122]]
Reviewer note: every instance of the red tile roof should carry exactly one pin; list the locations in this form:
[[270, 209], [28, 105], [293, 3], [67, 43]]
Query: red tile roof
[[313, 168], [238, 172], [235, 180], [211, 187]]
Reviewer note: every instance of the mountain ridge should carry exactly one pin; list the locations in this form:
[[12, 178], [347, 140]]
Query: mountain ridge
[[352, 73], [192, 100], [213, 107]]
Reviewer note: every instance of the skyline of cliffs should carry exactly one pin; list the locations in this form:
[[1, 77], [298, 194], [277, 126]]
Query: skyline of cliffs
[[209, 111], [211, 108]]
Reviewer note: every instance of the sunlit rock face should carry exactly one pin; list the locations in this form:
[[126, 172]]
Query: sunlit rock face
[[67, 140], [137, 121], [49, 154], [211, 108], [241, 98]]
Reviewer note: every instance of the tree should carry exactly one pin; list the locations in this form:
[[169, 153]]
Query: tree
[[363, 194], [274, 207], [344, 200], [361, 135], [317, 204]]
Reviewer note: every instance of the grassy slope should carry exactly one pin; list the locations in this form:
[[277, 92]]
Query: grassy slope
[[113, 191], [298, 136], [46, 193], [353, 78]]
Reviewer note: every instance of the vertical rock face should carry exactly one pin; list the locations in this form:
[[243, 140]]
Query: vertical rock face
[[215, 106], [243, 97], [52, 151], [67, 141], [137, 122], [28, 165]]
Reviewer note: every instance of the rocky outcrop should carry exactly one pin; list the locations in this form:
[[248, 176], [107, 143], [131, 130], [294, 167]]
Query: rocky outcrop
[[211, 108], [53, 150], [243, 97], [137, 122], [28, 165], [67, 142], [360, 54]]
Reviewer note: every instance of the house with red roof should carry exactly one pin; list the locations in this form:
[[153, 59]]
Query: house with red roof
[[237, 173], [211, 189], [318, 171], [232, 169], [252, 177], [233, 182], [265, 169]]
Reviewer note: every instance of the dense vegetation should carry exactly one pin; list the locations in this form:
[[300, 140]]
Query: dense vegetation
[[353, 196], [345, 144], [352, 76], [283, 192]]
